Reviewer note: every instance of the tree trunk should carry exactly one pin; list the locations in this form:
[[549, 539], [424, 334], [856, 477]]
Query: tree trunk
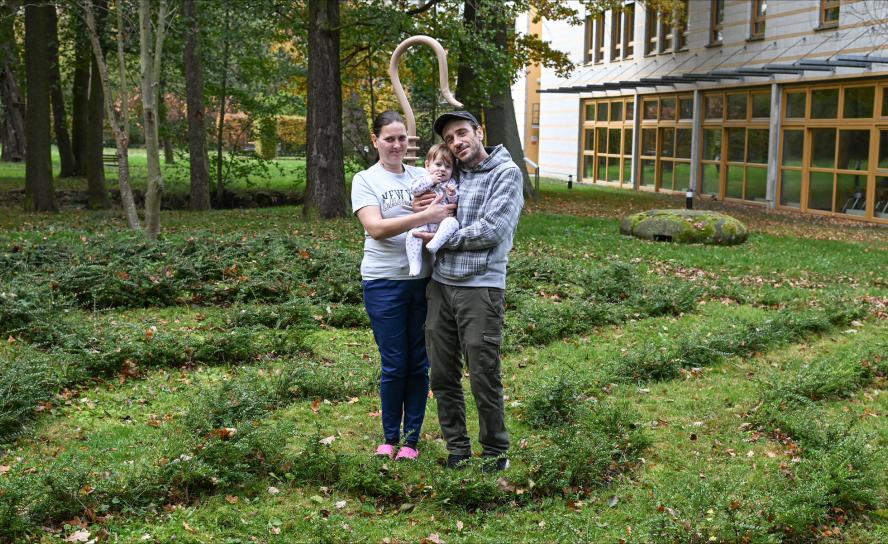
[[59, 119], [150, 54], [119, 124], [220, 120], [97, 194], [166, 140], [39, 193], [465, 74], [13, 136], [80, 101], [499, 119], [197, 135], [325, 176]]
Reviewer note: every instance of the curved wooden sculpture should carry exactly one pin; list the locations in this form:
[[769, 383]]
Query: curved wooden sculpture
[[412, 139]]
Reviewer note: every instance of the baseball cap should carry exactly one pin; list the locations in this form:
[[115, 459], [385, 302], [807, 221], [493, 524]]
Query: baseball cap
[[453, 116]]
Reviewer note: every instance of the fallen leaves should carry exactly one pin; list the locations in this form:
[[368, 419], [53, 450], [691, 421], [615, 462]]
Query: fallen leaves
[[81, 535]]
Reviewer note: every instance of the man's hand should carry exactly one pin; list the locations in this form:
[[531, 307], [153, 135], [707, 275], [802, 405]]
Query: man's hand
[[423, 201]]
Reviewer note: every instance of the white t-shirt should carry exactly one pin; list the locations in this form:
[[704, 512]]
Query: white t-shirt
[[376, 186]]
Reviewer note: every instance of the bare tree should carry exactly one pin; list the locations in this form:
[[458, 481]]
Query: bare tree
[[150, 54], [119, 121]]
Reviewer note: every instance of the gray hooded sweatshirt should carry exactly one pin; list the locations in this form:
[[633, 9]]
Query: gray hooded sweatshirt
[[490, 202]]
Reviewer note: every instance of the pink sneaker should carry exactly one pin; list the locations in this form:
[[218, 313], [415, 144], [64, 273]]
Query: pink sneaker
[[386, 450], [407, 452]]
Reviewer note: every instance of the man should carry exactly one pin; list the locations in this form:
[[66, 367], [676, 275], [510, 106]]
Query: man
[[466, 296]]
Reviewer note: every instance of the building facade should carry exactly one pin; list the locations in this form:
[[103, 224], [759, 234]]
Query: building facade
[[781, 103]]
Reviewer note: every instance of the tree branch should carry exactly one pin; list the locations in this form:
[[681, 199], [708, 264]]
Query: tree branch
[[423, 8]]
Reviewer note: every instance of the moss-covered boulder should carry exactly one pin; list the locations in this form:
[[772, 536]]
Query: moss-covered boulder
[[685, 226]]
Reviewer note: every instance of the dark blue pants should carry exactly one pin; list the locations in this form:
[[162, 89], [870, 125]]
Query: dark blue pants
[[397, 310]]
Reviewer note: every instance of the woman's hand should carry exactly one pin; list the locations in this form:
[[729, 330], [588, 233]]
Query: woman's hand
[[423, 201], [437, 212]]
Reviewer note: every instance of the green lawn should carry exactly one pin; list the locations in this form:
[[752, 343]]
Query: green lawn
[[284, 174], [218, 385]]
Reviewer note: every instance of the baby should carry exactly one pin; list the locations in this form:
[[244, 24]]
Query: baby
[[439, 164]]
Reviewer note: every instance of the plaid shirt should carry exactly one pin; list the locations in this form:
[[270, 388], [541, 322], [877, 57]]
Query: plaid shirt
[[490, 202]]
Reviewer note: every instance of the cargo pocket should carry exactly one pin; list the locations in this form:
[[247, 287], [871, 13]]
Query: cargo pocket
[[490, 354]]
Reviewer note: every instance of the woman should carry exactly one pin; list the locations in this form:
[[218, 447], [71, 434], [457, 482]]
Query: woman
[[395, 301]]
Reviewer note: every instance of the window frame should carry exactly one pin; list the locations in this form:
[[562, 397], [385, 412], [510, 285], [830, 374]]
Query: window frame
[[659, 124], [598, 43], [716, 25], [826, 6], [616, 34], [651, 37], [758, 16], [621, 159], [723, 162]]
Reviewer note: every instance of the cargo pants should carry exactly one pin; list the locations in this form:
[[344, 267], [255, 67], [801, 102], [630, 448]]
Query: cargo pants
[[464, 324]]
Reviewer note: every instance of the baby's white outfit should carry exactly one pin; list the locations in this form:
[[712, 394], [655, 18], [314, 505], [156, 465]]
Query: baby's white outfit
[[443, 231]]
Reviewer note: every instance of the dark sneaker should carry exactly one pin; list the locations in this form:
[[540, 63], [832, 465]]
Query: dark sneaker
[[494, 464], [457, 461]]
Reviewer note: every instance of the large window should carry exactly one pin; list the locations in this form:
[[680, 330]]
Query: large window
[[717, 22], [829, 13], [607, 141], [758, 19], [665, 150], [834, 150], [734, 156]]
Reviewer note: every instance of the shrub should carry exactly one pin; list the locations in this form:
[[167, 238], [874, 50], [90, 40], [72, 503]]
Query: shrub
[[373, 477], [346, 316], [555, 402], [614, 282], [468, 488], [329, 381], [27, 378], [29, 311], [705, 347], [291, 134], [266, 144], [662, 298], [589, 454], [846, 474], [296, 312], [536, 322], [834, 376], [316, 463]]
